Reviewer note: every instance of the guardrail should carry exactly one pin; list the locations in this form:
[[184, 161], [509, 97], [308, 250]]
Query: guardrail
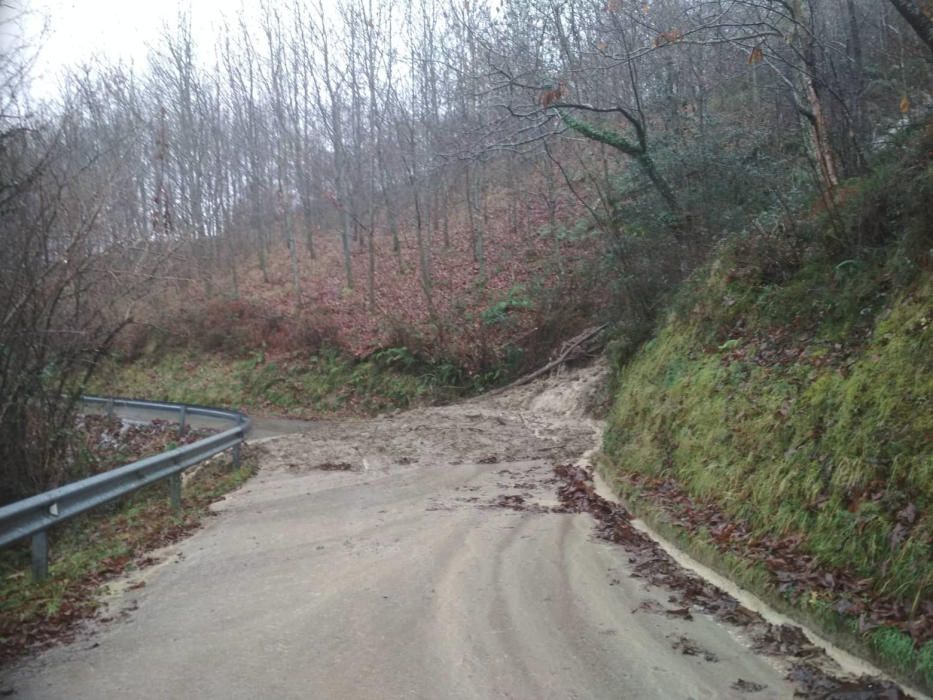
[[35, 515]]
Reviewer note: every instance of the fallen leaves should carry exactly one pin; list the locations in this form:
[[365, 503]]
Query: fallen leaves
[[688, 647], [784, 640], [335, 467], [682, 613], [577, 494], [109, 442], [744, 686], [816, 683], [904, 523], [794, 571], [451, 328]]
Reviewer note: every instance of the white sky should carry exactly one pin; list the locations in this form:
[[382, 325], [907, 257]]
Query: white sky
[[79, 30]]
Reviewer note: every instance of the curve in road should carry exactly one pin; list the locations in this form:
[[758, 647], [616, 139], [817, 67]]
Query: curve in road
[[410, 556]]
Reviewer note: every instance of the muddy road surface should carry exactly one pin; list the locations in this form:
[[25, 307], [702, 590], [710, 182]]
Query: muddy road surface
[[421, 555]]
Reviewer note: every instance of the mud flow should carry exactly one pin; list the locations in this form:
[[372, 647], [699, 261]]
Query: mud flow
[[451, 552]]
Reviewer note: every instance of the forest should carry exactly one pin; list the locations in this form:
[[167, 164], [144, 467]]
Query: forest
[[459, 186], [345, 208]]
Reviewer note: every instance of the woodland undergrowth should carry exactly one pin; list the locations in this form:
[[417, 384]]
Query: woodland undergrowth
[[341, 351]]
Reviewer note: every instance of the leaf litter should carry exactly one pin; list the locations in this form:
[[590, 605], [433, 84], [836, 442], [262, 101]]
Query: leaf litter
[[794, 571], [577, 494]]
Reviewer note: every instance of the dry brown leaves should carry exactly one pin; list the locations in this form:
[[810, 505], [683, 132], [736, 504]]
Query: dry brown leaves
[[794, 571], [577, 494]]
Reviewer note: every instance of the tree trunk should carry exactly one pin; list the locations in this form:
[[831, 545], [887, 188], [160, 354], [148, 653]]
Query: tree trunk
[[813, 115], [638, 152]]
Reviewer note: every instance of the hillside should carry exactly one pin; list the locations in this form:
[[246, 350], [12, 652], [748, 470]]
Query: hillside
[[337, 211], [247, 335], [779, 424]]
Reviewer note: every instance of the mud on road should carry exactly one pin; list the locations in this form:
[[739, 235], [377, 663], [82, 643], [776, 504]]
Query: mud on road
[[435, 553]]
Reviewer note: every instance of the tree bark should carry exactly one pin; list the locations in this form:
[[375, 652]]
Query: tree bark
[[638, 152]]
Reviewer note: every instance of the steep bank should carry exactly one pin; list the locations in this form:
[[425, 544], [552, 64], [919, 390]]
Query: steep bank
[[780, 420], [300, 385]]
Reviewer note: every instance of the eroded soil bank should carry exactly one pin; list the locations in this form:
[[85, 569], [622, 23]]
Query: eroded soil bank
[[444, 552]]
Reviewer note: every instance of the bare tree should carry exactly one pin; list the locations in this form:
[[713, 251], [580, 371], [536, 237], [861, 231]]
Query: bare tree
[[65, 283]]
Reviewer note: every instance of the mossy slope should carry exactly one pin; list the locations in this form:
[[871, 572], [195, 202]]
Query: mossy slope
[[775, 442], [799, 397]]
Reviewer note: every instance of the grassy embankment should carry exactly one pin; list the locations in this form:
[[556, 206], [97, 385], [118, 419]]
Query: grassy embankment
[[790, 389], [307, 386]]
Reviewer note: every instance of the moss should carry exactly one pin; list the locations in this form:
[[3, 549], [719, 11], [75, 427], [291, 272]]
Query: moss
[[799, 401], [898, 649], [772, 440]]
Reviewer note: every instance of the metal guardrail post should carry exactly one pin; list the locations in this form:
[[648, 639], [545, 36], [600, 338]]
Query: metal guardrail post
[[40, 555], [174, 492], [183, 418], [32, 517], [236, 448]]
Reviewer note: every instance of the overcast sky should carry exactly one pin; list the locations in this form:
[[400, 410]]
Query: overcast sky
[[78, 30]]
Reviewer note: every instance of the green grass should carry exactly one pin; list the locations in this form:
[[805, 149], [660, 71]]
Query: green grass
[[325, 384], [774, 442], [799, 398]]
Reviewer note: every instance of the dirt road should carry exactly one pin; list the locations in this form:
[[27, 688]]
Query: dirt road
[[411, 556]]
